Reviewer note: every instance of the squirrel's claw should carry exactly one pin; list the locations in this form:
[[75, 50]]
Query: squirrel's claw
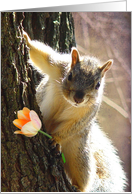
[[55, 146], [58, 149], [76, 188]]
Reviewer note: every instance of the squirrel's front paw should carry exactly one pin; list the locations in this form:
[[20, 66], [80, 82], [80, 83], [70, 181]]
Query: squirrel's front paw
[[76, 188], [55, 146]]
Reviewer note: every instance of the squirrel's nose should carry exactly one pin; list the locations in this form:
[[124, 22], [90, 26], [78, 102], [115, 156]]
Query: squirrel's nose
[[78, 97]]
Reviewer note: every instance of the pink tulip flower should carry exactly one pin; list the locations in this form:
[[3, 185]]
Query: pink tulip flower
[[28, 122]]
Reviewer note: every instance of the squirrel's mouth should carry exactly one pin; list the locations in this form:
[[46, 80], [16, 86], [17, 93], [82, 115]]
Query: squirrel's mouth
[[78, 98], [86, 101], [77, 103]]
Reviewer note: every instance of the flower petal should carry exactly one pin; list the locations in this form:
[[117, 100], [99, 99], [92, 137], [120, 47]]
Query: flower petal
[[29, 128], [18, 132], [19, 122], [21, 133], [24, 114], [35, 119]]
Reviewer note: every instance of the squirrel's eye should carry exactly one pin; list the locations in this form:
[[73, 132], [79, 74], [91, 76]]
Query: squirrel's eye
[[70, 76], [97, 86]]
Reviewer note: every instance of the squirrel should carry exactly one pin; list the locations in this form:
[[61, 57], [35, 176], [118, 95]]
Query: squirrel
[[69, 98]]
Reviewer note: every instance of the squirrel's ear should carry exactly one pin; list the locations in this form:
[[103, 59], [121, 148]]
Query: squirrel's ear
[[75, 56], [106, 67]]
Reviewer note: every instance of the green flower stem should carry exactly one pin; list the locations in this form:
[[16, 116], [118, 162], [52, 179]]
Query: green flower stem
[[49, 136], [46, 134], [63, 158]]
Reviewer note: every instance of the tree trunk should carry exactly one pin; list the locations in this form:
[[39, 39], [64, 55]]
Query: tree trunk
[[28, 164]]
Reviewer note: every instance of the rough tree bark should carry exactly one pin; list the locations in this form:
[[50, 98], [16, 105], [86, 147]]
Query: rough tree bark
[[28, 164]]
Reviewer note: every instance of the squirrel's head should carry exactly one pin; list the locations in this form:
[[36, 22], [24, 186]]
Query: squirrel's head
[[84, 82]]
